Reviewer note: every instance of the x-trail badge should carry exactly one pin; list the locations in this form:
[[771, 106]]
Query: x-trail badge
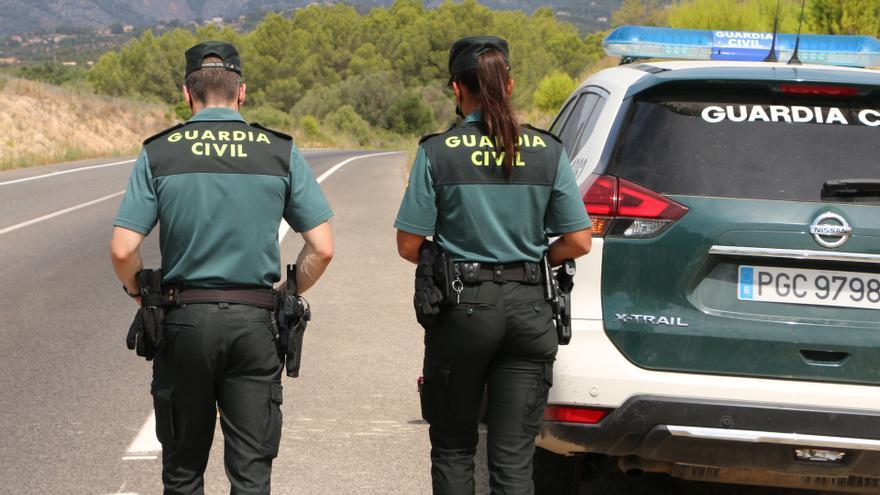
[[830, 230]]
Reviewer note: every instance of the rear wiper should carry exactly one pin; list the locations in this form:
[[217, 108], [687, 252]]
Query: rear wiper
[[851, 188]]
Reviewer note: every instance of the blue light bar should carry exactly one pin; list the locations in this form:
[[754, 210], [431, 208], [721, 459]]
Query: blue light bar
[[691, 44]]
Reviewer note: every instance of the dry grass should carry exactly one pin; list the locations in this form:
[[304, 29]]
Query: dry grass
[[46, 124]]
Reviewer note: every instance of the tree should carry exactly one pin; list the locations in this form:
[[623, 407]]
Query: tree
[[553, 91], [740, 15], [844, 16], [640, 13]]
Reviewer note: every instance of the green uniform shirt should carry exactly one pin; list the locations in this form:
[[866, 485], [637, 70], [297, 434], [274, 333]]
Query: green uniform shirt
[[459, 194], [219, 188]]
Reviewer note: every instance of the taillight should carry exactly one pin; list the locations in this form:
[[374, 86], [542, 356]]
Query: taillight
[[818, 90], [620, 207], [566, 414]]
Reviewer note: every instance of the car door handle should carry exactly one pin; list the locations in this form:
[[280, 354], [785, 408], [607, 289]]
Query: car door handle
[[815, 357]]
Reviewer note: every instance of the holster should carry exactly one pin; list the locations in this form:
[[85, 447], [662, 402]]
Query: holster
[[146, 335], [432, 283], [292, 314], [558, 285]]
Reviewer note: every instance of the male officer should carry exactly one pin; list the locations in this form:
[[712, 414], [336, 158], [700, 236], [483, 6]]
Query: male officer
[[219, 187]]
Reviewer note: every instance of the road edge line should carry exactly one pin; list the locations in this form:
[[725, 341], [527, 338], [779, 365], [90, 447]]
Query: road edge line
[[284, 228], [63, 172]]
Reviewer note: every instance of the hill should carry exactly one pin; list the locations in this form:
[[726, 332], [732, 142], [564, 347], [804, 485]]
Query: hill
[[45, 15], [72, 125]]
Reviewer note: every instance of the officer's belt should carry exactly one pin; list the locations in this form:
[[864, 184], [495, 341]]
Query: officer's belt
[[525, 272], [261, 298]]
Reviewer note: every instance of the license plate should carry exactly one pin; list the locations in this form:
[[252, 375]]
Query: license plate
[[814, 287]]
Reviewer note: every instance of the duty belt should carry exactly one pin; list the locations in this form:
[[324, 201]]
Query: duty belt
[[261, 298], [524, 272]]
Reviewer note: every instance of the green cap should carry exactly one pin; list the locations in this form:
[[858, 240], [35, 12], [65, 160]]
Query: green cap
[[465, 53], [195, 57]]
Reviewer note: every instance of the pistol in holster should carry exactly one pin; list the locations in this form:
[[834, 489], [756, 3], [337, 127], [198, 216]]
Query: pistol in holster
[[433, 283], [558, 284], [146, 335], [292, 315]]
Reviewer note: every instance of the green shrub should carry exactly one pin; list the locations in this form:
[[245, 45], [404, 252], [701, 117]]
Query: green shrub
[[553, 90], [348, 121], [309, 125], [182, 111], [269, 117]]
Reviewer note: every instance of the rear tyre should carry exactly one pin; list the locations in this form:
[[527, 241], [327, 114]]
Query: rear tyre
[[556, 474]]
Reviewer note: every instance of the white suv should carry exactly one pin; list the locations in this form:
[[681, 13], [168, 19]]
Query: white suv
[[726, 324]]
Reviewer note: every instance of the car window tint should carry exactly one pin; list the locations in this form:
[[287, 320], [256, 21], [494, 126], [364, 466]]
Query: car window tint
[[750, 146], [575, 121], [588, 126]]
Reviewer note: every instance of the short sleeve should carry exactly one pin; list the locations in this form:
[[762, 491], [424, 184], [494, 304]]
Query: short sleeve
[[418, 210], [306, 207], [566, 212], [139, 210]]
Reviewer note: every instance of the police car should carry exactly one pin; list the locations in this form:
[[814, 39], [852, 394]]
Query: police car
[[727, 322]]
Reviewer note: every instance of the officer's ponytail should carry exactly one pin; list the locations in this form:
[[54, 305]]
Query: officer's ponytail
[[490, 81]]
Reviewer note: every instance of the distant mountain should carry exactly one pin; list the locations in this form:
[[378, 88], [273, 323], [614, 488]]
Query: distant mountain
[[18, 17]]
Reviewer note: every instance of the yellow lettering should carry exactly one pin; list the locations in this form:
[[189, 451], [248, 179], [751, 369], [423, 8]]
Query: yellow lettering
[[208, 135], [250, 136], [477, 158], [190, 135], [262, 138], [175, 137], [453, 142], [485, 142], [537, 142], [499, 159], [198, 149], [241, 152], [523, 140], [519, 161], [238, 135], [219, 149], [469, 141], [223, 135]]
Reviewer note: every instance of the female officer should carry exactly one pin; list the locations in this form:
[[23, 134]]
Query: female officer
[[490, 192]]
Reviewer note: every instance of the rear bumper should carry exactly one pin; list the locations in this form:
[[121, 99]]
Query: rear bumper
[[733, 435]]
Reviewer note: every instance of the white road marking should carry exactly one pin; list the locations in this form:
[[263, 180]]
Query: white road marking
[[62, 172], [59, 213], [284, 228], [146, 442]]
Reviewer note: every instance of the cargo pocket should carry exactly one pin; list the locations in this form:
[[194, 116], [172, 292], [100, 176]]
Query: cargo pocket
[[273, 422], [435, 392], [536, 400], [163, 405]]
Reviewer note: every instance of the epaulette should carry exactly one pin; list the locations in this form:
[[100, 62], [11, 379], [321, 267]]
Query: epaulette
[[542, 131], [273, 131], [162, 133], [429, 136]]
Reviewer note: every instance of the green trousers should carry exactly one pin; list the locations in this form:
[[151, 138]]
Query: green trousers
[[500, 337], [217, 357]]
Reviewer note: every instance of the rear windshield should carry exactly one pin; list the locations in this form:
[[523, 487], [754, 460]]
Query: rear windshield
[[751, 144]]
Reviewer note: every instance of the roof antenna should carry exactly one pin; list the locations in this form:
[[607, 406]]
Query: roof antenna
[[797, 44], [771, 57]]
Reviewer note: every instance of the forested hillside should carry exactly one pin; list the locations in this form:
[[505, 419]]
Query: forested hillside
[[31, 15], [331, 67]]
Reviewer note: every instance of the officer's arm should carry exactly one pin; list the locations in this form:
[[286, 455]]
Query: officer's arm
[[570, 245], [408, 245], [314, 257], [125, 253]]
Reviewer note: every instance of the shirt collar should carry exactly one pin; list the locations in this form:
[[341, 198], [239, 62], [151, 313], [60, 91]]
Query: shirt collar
[[216, 113], [475, 116]]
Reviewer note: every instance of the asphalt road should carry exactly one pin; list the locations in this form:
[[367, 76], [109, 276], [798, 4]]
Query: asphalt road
[[75, 404]]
